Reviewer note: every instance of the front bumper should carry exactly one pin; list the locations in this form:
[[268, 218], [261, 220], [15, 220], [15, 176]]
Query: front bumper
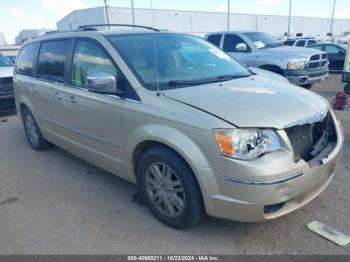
[[272, 186], [306, 77], [7, 102]]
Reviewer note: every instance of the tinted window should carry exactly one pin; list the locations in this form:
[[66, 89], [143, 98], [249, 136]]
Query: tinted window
[[25, 61], [311, 42], [231, 41], [214, 39], [90, 58], [332, 49], [52, 60], [319, 47], [301, 43], [289, 42]]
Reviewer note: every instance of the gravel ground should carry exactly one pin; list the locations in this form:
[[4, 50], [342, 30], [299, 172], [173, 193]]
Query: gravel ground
[[54, 203]]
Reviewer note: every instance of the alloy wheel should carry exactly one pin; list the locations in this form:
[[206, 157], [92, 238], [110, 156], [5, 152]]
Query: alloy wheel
[[164, 189]]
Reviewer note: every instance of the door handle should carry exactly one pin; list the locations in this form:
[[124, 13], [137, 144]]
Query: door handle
[[57, 97], [72, 99]]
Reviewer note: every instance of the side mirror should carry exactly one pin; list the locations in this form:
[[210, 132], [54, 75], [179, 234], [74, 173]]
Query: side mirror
[[102, 83], [241, 47]]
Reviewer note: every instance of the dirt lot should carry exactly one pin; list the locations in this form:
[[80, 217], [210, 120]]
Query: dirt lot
[[53, 203]]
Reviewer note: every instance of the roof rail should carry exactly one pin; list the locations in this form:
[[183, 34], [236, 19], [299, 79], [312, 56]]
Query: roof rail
[[91, 27]]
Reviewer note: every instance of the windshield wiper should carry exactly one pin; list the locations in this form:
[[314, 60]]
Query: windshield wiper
[[221, 78]]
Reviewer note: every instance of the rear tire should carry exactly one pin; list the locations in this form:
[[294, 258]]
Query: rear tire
[[347, 88], [33, 133], [170, 188]]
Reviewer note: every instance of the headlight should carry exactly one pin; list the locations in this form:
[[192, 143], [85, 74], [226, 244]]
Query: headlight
[[296, 65], [246, 144]]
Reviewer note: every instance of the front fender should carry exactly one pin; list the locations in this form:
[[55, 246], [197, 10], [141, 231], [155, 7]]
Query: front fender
[[184, 146]]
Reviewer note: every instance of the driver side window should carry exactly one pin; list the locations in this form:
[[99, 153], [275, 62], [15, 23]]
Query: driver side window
[[231, 41], [90, 58]]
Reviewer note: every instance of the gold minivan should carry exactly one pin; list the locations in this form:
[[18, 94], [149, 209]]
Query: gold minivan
[[197, 131]]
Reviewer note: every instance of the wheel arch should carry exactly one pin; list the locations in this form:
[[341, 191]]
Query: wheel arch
[[273, 68]]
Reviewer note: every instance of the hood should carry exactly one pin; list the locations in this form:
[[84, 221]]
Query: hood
[[268, 74], [6, 71], [298, 52], [252, 101]]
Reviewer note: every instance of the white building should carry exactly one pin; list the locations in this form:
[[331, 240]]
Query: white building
[[203, 22], [9, 50], [2, 39], [28, 34]]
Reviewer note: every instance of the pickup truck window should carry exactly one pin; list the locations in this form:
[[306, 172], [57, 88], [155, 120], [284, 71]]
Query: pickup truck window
[[262, 40], [289, 42], [231, 41], [215, 39], [4, 61], [301, 43]]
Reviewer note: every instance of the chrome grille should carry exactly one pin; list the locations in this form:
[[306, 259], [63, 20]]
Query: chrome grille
[[318, 61]]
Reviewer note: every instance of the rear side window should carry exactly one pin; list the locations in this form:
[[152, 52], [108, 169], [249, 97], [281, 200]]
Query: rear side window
[[52, 60], [26, 59], [289, 42], [301, 43], [215, 39], [231, 41]]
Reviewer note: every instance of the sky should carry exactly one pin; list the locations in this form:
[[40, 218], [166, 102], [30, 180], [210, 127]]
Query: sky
[[16, 15]]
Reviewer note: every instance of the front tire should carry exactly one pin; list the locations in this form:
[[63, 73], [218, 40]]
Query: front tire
[[170, 188], [33, 133]]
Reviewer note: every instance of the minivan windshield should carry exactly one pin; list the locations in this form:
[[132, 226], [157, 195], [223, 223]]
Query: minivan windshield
[[262, 40], [169, 60], [4, 62]]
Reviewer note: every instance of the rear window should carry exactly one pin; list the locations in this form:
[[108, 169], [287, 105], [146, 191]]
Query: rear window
[[215, 39], [52, 60], [26, 59]]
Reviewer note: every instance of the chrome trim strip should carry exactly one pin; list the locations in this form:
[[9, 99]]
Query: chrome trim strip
[[267, 183], [79, 132], [310, 120]]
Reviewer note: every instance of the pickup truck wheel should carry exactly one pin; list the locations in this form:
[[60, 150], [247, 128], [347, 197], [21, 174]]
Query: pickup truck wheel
[[33, 133], [347, 89], [169, 188]]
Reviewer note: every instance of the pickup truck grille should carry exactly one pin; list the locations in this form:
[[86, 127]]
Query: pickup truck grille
[[318, 61], [309, 140], [6, 86]]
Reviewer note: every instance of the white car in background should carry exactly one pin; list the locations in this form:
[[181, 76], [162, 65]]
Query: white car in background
[[7, 99]]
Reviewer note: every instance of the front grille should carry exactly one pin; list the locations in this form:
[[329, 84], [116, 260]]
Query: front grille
[[309, 140], [6, 86], [317, 61]]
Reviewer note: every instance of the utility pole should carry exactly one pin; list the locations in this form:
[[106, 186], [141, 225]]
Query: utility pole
[[106, 10], [228, 15], [289, 17], [132, 12], [331, 31]]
